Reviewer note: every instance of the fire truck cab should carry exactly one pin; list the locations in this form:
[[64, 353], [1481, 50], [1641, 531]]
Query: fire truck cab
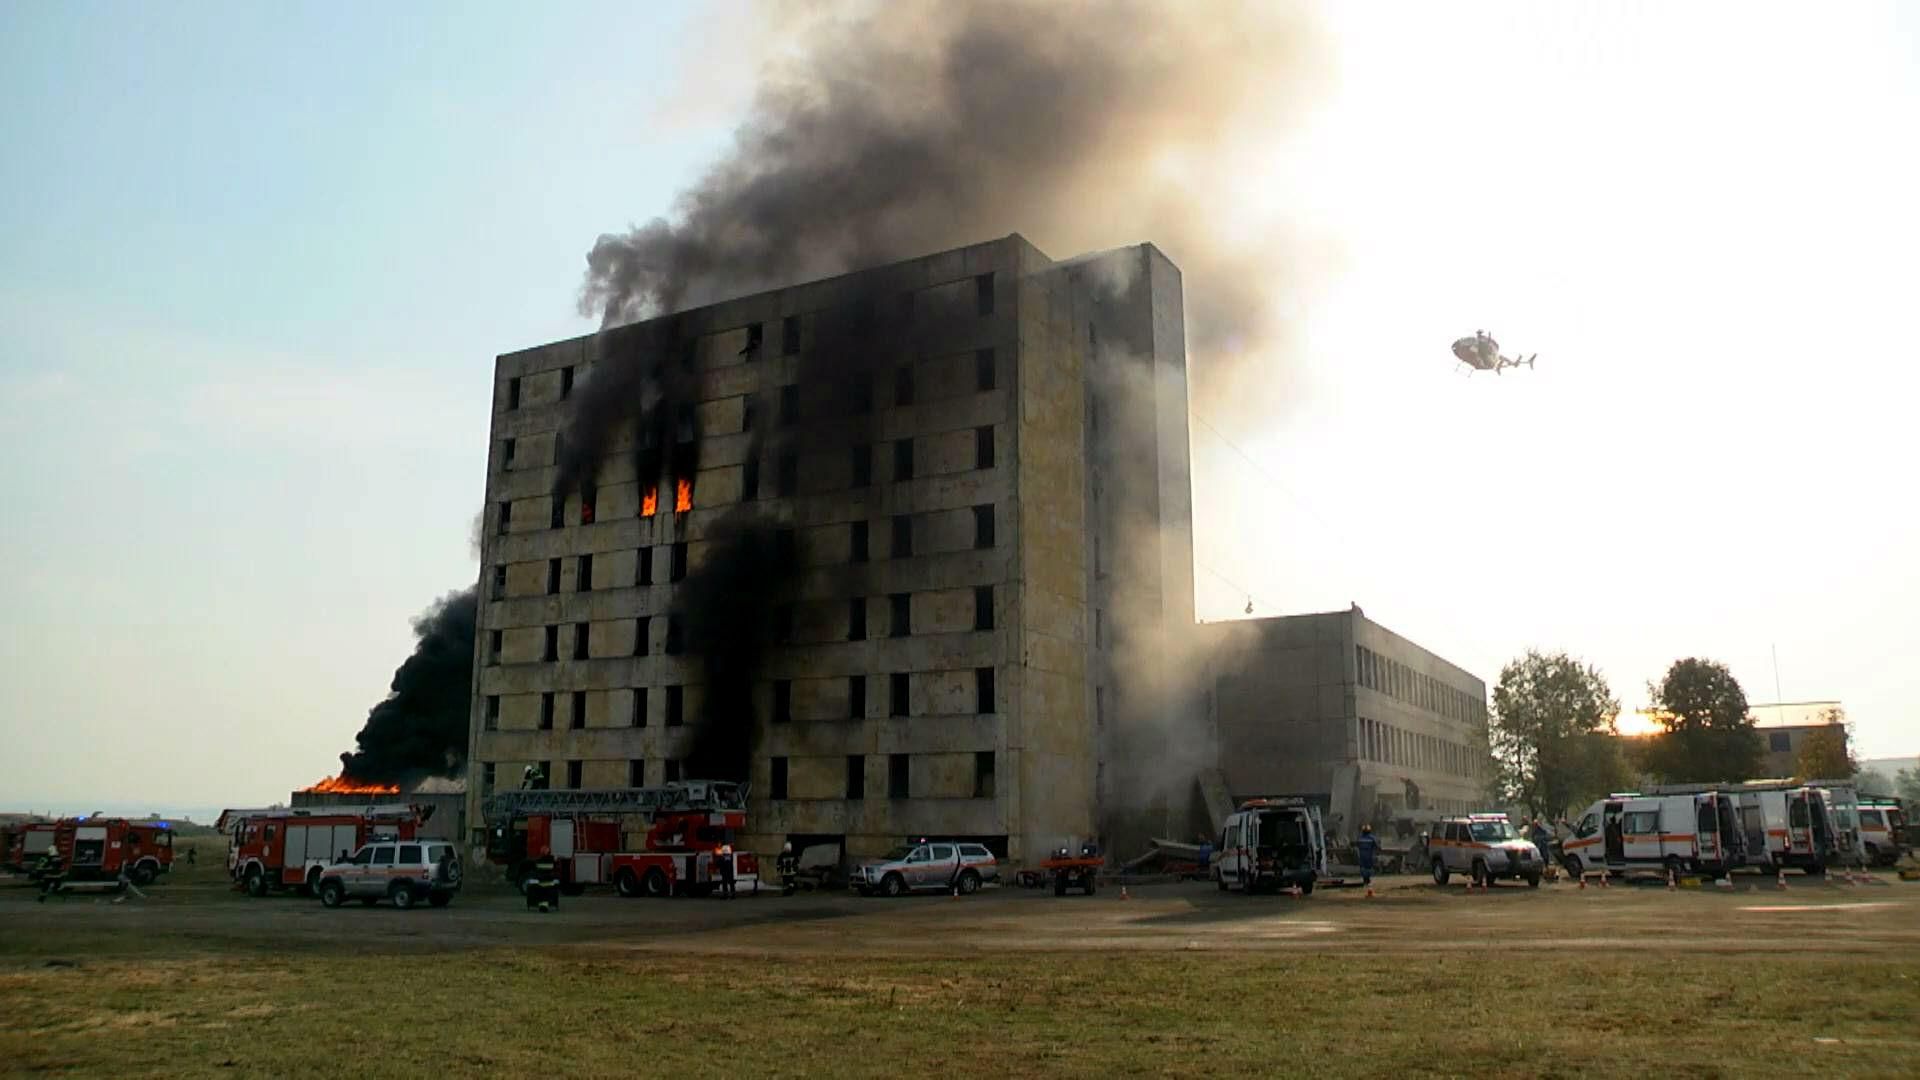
[[1695, 831], [672, 840], [273, 849]]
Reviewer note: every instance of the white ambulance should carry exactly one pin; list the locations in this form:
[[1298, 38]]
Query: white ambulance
[[1271, 844], [1696, 832], [1881, 826]]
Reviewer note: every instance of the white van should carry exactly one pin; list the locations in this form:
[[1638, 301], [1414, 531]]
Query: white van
[[1698, 832], [1271, 844]]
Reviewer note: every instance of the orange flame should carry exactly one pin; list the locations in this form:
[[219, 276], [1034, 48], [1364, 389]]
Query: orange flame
[[343, 785], [682, 495], [650, 502]]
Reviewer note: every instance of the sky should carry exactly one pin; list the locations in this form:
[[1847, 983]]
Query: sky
[[255, 264]]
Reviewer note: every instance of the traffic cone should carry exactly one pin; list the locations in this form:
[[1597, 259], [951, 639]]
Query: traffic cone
[[1671, 883], [1369, 892], [1780, 880], [1604, 878], [1123, 893], [1583, 882]]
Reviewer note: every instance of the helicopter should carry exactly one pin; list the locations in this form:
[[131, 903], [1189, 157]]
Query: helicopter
[[1482, 353]]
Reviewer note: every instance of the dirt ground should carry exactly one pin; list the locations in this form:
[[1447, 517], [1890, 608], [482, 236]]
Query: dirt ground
[[1408, 915]]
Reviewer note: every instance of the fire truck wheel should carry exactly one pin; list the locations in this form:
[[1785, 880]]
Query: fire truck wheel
[[402, 894], [655, 883], [333, 894], [1440, 874], [142, 874], [893, 885], [1306, 887], [256, 881], [626, 884], [969, 882]]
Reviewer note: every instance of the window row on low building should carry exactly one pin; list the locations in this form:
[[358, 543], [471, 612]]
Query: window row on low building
[[1402, 683], [1390, 744]]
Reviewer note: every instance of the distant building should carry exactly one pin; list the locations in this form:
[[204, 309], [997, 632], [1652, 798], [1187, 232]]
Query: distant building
[[1337, 706], [1785, 727], [445, 797]]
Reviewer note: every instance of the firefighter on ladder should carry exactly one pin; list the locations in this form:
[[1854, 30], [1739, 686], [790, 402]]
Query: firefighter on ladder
[[543, 885]]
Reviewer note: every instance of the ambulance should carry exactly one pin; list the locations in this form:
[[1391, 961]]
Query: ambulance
[[1881, 824], [1786, 824], [1694, 832]]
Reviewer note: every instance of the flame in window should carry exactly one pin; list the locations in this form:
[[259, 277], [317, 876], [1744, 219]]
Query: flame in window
[[682, 495], [650, 502]]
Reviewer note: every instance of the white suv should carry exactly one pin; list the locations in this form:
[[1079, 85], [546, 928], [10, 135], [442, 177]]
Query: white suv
[[404, 871]]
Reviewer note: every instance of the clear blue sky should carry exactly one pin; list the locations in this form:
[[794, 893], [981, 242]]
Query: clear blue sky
[[255, 262]]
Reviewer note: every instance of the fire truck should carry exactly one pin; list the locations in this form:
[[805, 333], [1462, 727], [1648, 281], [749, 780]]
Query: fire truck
[[25, 843], [97, 849], [675, 840], [269, 850]]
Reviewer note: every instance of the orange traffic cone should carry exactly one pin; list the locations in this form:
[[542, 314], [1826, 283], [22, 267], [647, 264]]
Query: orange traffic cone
[[1604, 876], [1583, 881], [1369, 892], [1123, 892]]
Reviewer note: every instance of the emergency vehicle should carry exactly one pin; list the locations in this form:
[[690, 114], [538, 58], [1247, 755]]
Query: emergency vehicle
[[278, 848], [1485, 847], [1882, 823], [1272, 843], [660, 841], [26, 842], [101, 849], [1698, 831], [1785, 823]]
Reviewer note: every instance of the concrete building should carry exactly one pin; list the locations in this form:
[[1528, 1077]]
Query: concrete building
[[1784, 728], [966, 526], [1338, 706]]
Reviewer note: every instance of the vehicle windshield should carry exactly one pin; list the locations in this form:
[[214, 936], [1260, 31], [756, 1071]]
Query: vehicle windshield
[[1493, 830]]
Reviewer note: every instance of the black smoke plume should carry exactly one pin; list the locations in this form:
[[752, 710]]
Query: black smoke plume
[[902, 130], [421, 727]]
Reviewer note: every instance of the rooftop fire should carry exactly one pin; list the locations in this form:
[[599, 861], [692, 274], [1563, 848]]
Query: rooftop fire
[[346, 785]]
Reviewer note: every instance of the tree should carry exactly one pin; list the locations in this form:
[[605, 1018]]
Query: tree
[[1873, 782], [1552, 734], [1907, 784], [1709, 735], [1824, 753]]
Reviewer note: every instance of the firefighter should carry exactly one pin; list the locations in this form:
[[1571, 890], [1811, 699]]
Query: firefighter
[[47, 872], [533, 779], [1367, 848], [725, 857], [543, 885], [789, 868]]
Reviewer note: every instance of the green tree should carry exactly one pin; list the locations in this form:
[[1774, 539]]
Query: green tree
[[1551, 734], [1873, 782], [1709, 735], [1907, 784], [1825, 754]]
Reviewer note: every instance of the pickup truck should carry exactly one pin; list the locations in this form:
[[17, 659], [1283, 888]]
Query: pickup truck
[[928, 867]]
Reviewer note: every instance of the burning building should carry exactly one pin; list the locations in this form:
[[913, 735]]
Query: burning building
[[444, 799], [883, 544]]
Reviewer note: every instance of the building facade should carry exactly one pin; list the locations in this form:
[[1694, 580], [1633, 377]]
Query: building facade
[[1336, 706], [961, 512]]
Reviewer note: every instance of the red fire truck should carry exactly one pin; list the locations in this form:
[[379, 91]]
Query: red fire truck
[[269, 850], [101, 849], [664, 841], [25, 843]]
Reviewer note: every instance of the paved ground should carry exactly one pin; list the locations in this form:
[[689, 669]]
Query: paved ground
[[1408, 916]]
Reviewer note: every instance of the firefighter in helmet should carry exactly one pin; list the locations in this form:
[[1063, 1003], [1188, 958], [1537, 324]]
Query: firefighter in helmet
[[789, 867], [533, 779], [543, 885], [724, 859]]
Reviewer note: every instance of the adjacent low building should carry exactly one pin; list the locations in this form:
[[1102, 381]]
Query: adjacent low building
[[1336, 706]]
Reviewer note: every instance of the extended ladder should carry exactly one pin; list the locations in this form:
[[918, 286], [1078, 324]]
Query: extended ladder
[[692, 796]]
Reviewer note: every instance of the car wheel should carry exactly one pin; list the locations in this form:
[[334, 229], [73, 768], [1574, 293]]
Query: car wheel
[[1481, 876], [1059, 884], [969, 883], [655, 883], [1533, 880], [440, 899], [893, 885], [1440, 874], [402, 895], [1306, 887], [1220, 881], [626, 884], [332, 893], [1571, 864], [256, 881], [1873, 855]]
